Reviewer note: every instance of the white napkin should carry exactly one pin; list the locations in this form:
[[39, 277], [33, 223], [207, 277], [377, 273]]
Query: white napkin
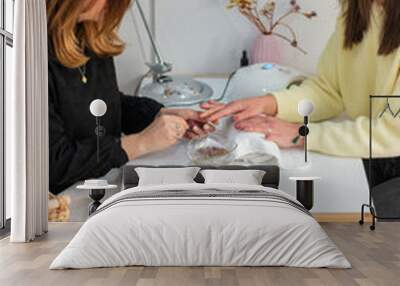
[[254, 148]]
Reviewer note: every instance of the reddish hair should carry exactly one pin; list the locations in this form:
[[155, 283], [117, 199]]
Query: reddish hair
[[69, 37]]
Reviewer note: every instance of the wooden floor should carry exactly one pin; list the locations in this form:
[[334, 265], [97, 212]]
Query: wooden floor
[[375, 257]]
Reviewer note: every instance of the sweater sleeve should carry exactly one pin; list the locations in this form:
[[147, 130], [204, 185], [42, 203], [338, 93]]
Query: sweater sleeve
[[74, 160], [350, 138], [323, 89], [137, 113]]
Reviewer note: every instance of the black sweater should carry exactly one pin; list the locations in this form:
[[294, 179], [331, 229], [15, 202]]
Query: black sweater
[[71, 125]]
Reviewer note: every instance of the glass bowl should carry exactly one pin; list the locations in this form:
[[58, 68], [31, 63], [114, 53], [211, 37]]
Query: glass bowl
[[211, 150]]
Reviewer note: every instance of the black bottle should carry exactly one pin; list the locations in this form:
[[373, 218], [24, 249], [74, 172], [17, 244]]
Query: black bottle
[[244, 61]]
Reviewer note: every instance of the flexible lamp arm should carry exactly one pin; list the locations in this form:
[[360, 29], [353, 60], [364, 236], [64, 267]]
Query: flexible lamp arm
[[159, 67], [149, 34]]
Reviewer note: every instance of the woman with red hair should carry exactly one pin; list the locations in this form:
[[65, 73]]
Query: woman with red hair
[[82, 43]]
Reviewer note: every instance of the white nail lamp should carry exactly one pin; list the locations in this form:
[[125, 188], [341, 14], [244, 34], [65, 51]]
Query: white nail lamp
[[305, 108], [98, 108]]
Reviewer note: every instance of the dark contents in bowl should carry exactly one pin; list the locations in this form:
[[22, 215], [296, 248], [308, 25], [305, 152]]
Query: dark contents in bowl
[[209, 152]]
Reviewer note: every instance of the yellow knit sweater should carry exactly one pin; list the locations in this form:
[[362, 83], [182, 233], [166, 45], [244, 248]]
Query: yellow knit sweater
[[344, 81]]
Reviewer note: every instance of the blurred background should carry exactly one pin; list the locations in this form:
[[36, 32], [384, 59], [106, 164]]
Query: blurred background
[[203, 37]]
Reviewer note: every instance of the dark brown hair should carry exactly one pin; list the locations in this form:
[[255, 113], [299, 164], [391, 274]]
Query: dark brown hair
[[357, 16], [67, 35]]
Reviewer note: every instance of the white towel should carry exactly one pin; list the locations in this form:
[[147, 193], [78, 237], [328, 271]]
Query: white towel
[[254, 148]]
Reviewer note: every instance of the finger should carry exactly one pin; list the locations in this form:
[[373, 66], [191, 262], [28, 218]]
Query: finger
[[182, 123], [205, 106], [193, 115], [210, 104], [198, 131], [180, 133], [270, 118], [177, 122], [214, 103], [253, 121], [188, 114], [254, 129], [192, 123], [243, 124], [249, 121], [245, 115], [253, 126], [223, 111], [208, 128], [190, 135], [212, 110]]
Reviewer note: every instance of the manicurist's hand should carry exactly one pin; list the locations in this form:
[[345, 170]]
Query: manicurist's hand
[[281, 132], [198, 127], [165, 131], [240, 109]]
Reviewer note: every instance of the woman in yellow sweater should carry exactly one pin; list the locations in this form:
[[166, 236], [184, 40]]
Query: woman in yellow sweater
[[362, 58]]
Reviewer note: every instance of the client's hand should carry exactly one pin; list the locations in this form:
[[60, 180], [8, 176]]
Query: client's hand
[[240, 109], [162, 133], [281, 132], [198, 127]]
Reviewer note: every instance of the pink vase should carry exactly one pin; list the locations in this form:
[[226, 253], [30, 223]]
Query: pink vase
[[266, 49]]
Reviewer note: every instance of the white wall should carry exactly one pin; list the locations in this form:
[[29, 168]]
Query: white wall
[[313, 34], [202, 36]]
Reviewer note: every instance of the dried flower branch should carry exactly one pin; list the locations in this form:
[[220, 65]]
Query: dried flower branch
[[264, 19]]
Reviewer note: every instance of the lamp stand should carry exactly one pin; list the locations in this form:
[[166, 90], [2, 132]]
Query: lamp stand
[[303, 131]]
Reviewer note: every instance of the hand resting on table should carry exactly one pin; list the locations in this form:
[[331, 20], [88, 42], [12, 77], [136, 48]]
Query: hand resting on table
[[255, 114]]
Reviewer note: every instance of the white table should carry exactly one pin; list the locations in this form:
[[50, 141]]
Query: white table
[[343, 189]]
